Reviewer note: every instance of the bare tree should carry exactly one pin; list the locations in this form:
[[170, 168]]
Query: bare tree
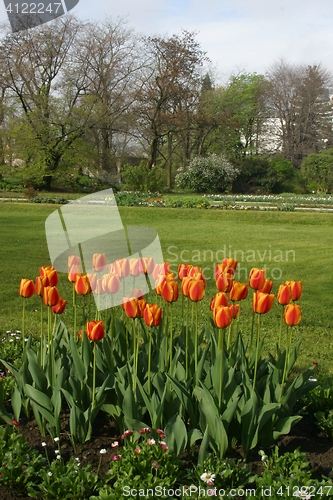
[[299, 98]]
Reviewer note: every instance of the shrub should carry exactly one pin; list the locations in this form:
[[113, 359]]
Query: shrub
[[210, 174], [141, 178]]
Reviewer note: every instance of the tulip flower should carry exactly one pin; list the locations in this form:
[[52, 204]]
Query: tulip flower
[[185, 285], [222, 316], [196, 290], [73, 271], [122, 267], [267, 288], [45, 269], [234, 310], [131, 307], [183, 270], [73, 260], [51, 296], [292, 314], [27, 288], [92, 278], [169, 291], [41, 282], [239, 291], [284, 294], [296, 289], [137, 292], [152, 315], [135, 267], [82, 284], [60, 307], [147, 265], [194, 270], [224, 282], [95, 330], [257, 278], [99, 262], [220, 299], [262, 302], [227, 265], [141, 306]]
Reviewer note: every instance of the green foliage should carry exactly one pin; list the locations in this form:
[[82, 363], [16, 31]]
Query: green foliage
[[289, 476], [20, 465], [207, 174], [141, 466], [317, 171], [285, 174], [141, 178], [256, 176], [68, 481], [228, 473]]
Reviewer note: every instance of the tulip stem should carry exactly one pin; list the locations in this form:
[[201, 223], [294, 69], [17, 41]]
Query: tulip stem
[[74, 312], [149, 358], [230, 333], [171, 338], [281, 325], [187, 338], [286, 362], [23, 324], [221, 350], [94, 378], [257, 354], [41, 333], [196, 341], [252, 328]]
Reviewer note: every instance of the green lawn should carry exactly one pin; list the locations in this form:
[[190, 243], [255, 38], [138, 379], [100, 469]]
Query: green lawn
[[291, 245]]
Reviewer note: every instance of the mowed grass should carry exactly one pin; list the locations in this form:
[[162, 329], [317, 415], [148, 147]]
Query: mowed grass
[[290, 245]]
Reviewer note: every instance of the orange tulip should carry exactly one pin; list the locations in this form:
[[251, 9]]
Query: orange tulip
[[234, 310], [27, 288], [122, 267], [224, 282], [73, 260], [183, 270], [74, 270], [267, 288], [220, 299], [284, 294], [239, 291], [257, 278], [161, 269], [141, 306], [196, 290], [169, 290], [45, 269], [152, 315], [262, 302], [137, 293], [185, 285], [41, 282], [135, 267], [60, 307], [99, 262], [222, 316], [131, 307], [113, 284], [194, 270], [51, 296], [147, 265], [82, 284], [292, 314], [95, 330], [296, 289]]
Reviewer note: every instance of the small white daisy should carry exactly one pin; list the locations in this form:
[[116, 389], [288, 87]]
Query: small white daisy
[[207, 477]]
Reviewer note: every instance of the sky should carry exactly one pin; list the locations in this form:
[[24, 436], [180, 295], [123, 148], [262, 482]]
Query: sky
[[238, 36]]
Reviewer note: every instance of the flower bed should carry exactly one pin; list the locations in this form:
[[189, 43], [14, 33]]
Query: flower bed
[[170, 390]]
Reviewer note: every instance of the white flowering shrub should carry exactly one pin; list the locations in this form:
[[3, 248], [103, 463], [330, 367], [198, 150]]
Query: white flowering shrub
[[213, 173]]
